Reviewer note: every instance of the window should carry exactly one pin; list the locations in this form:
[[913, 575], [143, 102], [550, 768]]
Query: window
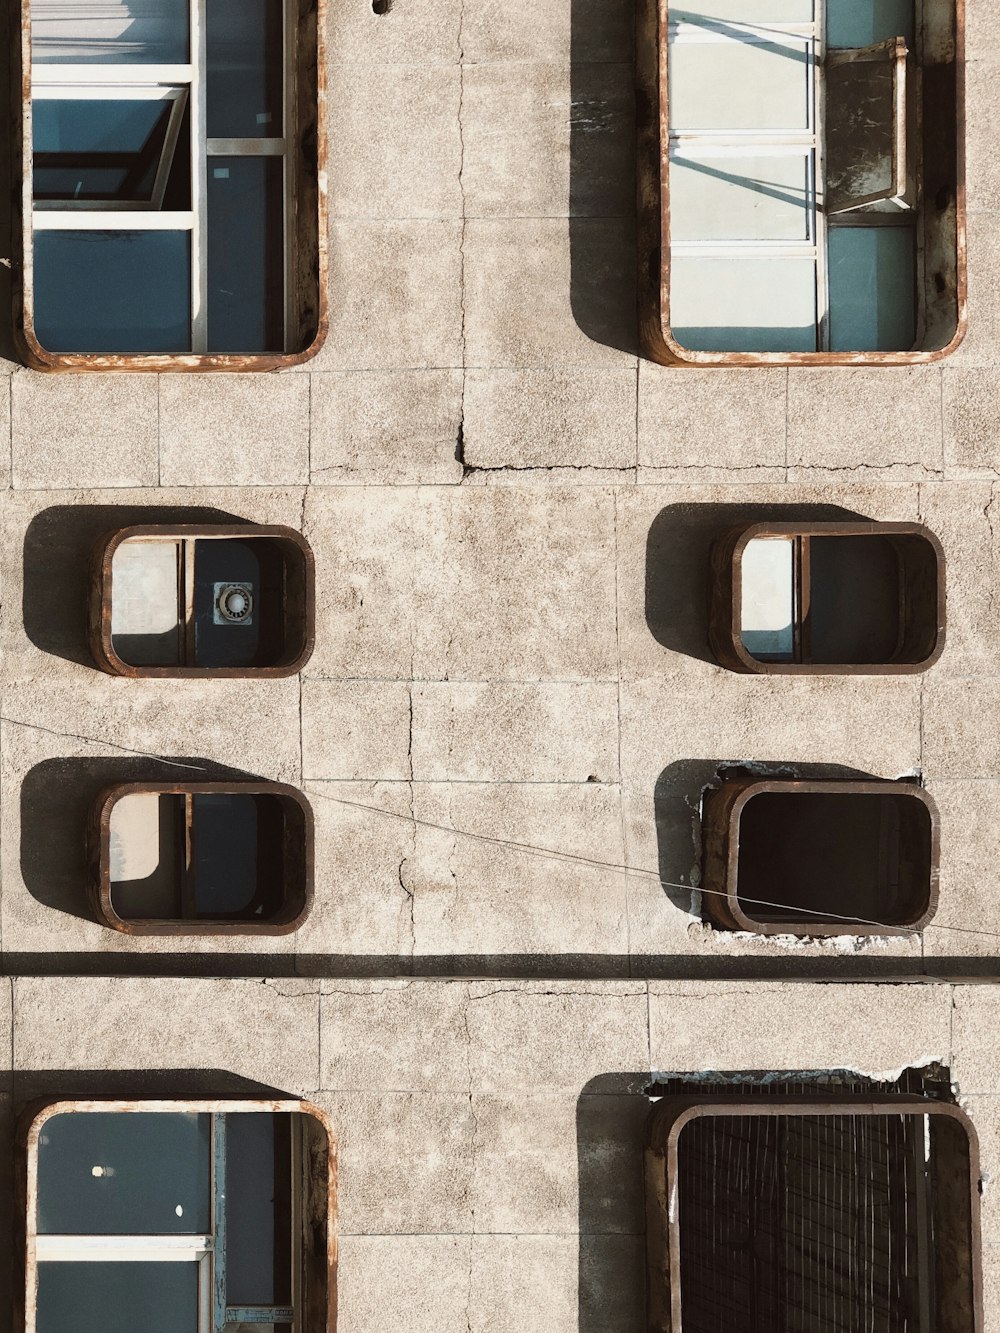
[[209, 858], [171, 183], [820, 598], [810, 204], [820, 1212], [782, 856], [183, 1217], [198, 600]]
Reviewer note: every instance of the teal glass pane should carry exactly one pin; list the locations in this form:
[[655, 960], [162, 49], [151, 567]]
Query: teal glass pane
[[97, 150], [872, 289], [110, 32], [246, 255], [117, 1298], [245, 81], [853, 23], [258, 1209], [113, 291], [124, 1173]]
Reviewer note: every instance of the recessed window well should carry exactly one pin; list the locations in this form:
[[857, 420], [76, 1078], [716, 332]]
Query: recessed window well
[[173, 207], [194, 600], [178, 1216], [819, 857], [818, 598], [208, 858], [802, 190], [807, 1213]]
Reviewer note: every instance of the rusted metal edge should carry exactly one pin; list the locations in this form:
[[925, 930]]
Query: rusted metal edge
[[99, 611], [663, 1224], [722, 808], [99, 861], [320, 1287], [724, 619], [653, 217], [26, 341]]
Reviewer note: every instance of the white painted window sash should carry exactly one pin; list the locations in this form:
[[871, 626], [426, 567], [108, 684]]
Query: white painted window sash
[[735, 142]]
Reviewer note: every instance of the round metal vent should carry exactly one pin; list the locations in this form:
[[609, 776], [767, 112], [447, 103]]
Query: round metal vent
[[235, 602]]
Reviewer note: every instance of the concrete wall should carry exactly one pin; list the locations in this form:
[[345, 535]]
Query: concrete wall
[[510, 701]]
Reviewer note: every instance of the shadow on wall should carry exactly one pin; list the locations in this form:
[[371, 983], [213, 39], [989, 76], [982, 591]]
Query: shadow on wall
[[676, 811], [56, 799], [602, 237], [677, 572], [611, 1115], [57, 551]]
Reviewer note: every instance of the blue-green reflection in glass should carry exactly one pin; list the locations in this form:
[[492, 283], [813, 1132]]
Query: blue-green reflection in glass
[[120, 1173], [100, 151], [113, 291], [133, 1297]]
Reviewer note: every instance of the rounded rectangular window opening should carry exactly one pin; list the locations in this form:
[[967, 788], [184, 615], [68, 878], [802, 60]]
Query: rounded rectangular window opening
[[194, 601], [828, 597], [173, 205], [202, 858], [820, 858], [758, 1206], [802, 193], [180, 1214]]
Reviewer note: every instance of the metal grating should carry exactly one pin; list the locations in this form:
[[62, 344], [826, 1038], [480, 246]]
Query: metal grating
[[815, 1224]]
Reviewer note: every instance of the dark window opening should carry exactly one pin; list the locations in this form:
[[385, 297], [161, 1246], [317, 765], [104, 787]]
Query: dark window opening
[[202, 600], [206, 858], [820, 857], [834, 1209], [828, 596]]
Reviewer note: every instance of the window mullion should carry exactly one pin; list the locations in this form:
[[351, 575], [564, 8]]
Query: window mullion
[[199, 179]]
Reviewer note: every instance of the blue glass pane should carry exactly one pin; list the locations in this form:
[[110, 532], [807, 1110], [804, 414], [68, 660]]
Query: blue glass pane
[[872, 289], [853, 23], [97, 150], [245, 69], [246, 254], [117, 1298], [113, 291], [258, 1209], [127, 1172], [110, 32]]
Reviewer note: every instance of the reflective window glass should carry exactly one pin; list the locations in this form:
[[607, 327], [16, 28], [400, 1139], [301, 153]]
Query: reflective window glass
[[245, 83], [110, 32], [108, 1173], [246, 254], [92, 150], [101, 291], [133, 1297]]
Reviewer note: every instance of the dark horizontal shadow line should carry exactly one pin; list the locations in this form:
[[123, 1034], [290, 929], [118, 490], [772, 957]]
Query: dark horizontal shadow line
[[492, 967]]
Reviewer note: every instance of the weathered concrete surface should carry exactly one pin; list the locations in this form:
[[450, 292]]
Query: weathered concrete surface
[[510, 715], [491, 1133]]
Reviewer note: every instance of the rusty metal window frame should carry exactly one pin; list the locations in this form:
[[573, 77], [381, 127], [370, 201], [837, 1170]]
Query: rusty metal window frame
[[300, 628], [305, 314], [945, 1202], [216, 1313], [298, 871], [941, 260]]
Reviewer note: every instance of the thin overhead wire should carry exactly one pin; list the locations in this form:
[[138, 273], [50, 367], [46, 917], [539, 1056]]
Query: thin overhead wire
[[638, 871]]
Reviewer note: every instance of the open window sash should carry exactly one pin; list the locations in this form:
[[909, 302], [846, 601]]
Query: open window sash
[[868, 160]]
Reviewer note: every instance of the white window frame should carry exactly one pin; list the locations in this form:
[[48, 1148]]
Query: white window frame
[[123, 80], [735, 143]]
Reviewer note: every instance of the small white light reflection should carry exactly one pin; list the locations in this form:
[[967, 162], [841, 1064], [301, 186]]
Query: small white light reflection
[[179, 1211]]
